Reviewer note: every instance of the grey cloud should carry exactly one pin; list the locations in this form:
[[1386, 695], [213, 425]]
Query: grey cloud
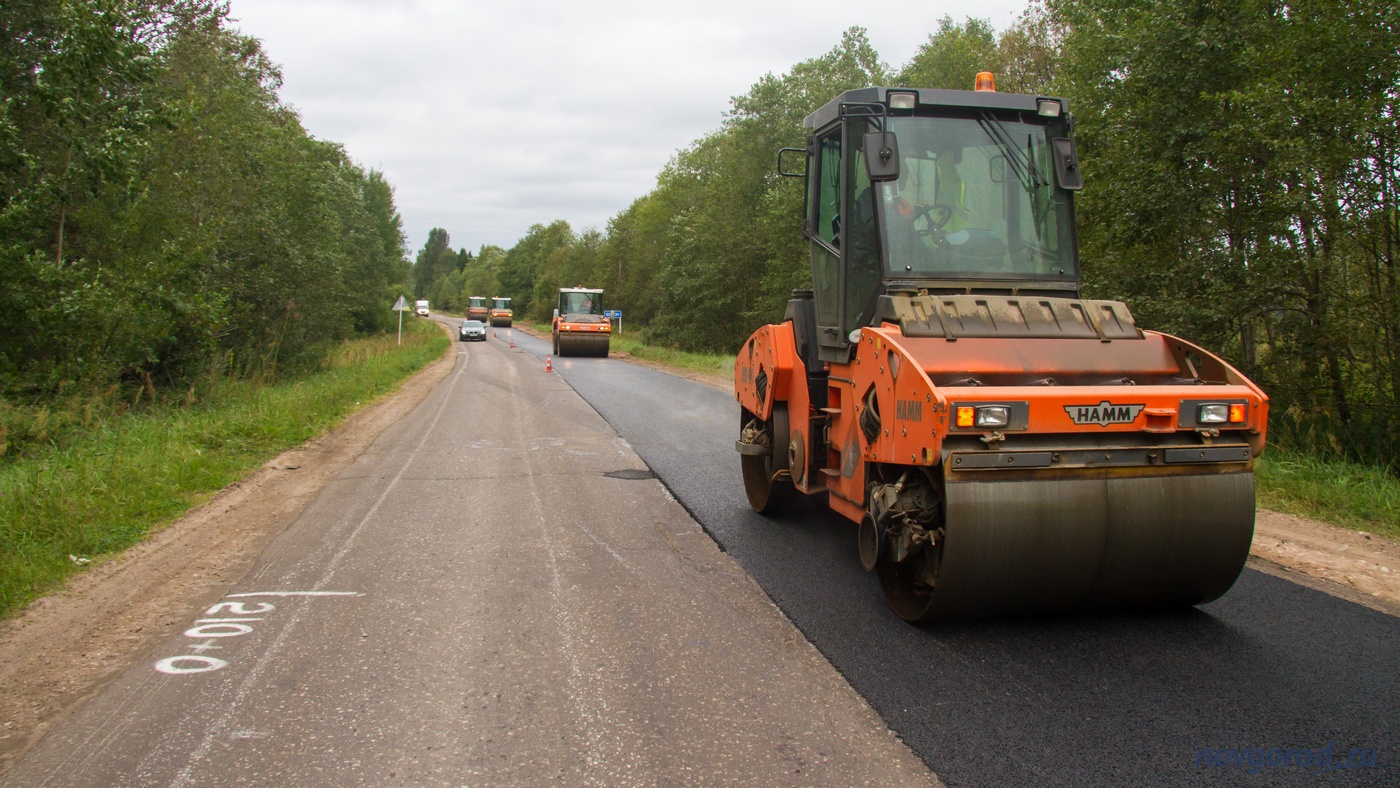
[[490, 117]]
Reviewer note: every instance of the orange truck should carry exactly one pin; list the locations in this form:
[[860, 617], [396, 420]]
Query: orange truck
[[580, 329], [500, 312], [1004, 445], [477, 309]]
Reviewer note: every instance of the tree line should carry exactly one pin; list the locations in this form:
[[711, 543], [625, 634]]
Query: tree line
[[163, 213], [1242, 170]]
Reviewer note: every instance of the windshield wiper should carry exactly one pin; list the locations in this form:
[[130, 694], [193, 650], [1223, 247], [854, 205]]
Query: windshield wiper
[[1039, 210], [997, 132], [1021, 163]]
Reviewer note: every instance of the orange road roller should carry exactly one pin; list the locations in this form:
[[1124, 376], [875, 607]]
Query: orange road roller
[[501, 313], [1003, 445], [580, 329]]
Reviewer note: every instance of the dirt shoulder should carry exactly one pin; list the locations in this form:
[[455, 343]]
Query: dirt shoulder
[[65, 647], [1350, 564]]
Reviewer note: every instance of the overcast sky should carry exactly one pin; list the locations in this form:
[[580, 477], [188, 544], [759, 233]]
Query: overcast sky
[[488, 117]]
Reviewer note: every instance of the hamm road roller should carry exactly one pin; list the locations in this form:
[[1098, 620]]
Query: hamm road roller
[[1004, 445], [500, 312], [580, 329], [476, 308]]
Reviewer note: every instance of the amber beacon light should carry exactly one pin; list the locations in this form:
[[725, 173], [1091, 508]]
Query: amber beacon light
[[985, 83]]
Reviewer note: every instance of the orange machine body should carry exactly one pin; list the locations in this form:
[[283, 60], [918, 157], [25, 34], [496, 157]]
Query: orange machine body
[[915, 383]]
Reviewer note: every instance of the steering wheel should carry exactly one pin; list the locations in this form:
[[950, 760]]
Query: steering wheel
[[935, 216]]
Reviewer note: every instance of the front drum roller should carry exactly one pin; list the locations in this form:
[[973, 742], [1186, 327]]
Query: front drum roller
[[767, 481], [1066, 545], [583, 344]]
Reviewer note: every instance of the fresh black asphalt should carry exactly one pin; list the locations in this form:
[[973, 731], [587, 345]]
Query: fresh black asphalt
[[1216, 695]]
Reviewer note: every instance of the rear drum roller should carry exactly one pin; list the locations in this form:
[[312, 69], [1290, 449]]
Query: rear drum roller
[[767, 494]]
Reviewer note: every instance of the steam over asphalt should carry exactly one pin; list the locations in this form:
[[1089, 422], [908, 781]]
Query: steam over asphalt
[[1191, 697]]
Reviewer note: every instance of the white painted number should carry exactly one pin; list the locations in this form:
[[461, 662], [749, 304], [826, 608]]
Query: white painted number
[[238, 608], [206, 629], [177, 666]]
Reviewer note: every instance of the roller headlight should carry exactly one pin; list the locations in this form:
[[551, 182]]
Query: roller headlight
[[903, 100], [993, 417], [1213, 414], [986, 417]]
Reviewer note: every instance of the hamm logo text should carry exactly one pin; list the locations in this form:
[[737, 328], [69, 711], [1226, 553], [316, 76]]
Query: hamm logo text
[[1104, 413]]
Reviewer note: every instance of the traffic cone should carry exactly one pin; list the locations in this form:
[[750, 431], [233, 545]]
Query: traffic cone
[[548, 363], [512, 341], [495, 334]]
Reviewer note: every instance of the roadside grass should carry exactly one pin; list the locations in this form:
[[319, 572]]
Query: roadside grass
[[1350, 495], [95, 493], [707, 363]]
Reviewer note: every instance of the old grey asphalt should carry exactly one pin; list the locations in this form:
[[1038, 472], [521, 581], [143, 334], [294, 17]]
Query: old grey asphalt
[[498, 592]]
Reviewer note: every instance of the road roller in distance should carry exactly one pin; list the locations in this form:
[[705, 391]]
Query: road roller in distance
[[1003, 445], [580, 329], [477, 309], [500, 312]]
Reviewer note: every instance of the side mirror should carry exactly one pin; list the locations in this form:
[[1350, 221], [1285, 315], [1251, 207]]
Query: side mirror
[[1066, 157], [882, 156], [785, 161]]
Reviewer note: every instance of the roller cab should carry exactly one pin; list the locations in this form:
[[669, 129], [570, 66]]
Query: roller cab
[[1003, 445], [501, 313], [580, 329]]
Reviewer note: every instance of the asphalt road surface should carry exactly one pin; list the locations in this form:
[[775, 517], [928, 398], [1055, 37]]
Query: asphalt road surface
[[1213, 695], [498, 592], [480, 634]]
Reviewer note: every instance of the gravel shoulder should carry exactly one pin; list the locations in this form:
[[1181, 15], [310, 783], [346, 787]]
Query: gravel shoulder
[[66, 647]]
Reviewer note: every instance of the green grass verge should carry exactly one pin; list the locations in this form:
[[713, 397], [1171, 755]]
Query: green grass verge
[[709, 363], [103, 491], [1346, 494]]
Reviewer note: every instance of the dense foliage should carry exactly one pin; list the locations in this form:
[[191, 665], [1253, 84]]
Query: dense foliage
[[1243, 169], [1244, 159], [163, 213]]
